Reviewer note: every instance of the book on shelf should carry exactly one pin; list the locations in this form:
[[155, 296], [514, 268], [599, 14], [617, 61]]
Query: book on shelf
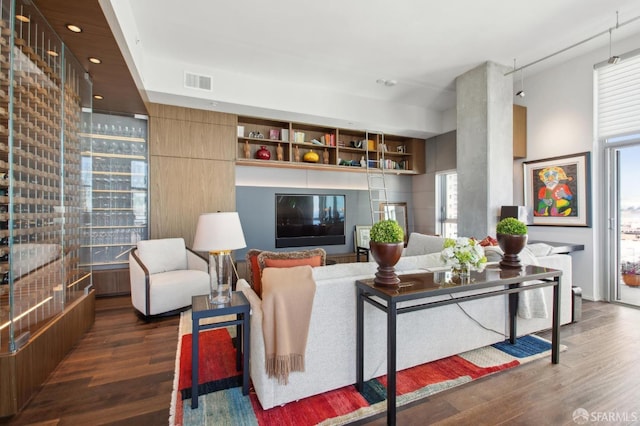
[[284, 135]]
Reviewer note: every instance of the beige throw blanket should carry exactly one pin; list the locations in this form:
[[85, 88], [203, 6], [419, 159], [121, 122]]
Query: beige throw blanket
[[287, 298]]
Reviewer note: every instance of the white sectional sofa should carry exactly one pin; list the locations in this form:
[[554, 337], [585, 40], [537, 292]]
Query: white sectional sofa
[[423, 336]]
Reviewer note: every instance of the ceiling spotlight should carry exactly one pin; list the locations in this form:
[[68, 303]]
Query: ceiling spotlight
[[52, 53], [95, 60], [74, 28], [23, 18], [520, 92], [98, 97]]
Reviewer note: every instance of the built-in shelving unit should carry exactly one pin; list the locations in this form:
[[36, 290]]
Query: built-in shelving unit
[[336, 149]]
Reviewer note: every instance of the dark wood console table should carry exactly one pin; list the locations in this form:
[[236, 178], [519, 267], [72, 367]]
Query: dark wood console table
[[422, 286]]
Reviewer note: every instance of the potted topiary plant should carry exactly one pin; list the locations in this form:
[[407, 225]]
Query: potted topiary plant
[[386, 241], [512, 238]]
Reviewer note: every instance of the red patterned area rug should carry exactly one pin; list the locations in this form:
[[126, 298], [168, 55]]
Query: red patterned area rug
[[221, 401]]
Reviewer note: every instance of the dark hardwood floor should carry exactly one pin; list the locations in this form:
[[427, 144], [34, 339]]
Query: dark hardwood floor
[[121, 373]]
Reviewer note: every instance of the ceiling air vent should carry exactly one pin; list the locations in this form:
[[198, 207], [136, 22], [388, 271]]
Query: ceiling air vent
[[196, 81]]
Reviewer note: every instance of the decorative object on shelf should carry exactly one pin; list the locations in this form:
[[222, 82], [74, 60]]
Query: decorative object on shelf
[[274, 134], [363, 162], [247, 150], [558, 189], [263, 153], [512, 238], [463, 254], [279, 153], [401, 149], [630, 273], [356, 144], [218, 234], [256, 134], [386, 244], [296, 154], [325, 156], [311, 157], [240, 131]]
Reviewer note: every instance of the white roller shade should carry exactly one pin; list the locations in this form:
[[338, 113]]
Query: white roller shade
[[619, 98]]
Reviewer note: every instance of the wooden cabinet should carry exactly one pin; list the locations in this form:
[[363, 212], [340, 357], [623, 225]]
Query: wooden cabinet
[[519, 131], [287, 143]]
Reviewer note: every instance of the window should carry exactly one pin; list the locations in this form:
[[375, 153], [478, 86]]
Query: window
[[447, 204]]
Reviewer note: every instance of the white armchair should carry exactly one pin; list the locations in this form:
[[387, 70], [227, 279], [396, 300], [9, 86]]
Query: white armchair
[[164, 275]]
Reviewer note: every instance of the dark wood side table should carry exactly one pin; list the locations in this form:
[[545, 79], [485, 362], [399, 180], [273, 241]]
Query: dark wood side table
[[495, 281], [203, 308]]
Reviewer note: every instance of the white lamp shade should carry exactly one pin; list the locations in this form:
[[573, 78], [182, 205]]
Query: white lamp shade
[[219, 232]]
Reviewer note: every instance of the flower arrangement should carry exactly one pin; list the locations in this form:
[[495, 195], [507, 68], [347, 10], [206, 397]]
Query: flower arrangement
[[463, 252], [630, 268]]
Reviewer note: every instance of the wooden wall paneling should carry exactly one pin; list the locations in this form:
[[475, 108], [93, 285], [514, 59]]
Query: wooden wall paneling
[[182, 188], [23, 373], [519, 131], [191, 139], [191, 168], [111, 282], [191, 114]]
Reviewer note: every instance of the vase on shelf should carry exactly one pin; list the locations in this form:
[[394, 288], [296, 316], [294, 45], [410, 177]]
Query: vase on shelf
[[263, 153]]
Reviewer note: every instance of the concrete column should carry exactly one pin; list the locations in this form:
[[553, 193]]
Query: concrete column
[[484, 147]]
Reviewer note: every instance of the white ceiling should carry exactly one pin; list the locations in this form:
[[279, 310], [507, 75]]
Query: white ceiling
[[262, 53]]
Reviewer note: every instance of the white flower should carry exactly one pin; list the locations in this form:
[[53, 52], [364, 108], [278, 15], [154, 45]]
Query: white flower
[[462, 251]]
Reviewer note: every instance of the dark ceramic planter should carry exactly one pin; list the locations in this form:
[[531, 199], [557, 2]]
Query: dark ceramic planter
[[511, 245], [386, 256]]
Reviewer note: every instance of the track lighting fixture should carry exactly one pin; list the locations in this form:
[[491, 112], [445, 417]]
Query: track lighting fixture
[[521, 91], [613, 59]]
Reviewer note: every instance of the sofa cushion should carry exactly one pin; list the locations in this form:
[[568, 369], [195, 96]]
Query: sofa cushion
[[423, 244], [540, 249], [254, 270], [288, 259], [163, 255]]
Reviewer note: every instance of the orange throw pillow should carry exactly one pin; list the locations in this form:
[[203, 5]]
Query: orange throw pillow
[[284, 259]]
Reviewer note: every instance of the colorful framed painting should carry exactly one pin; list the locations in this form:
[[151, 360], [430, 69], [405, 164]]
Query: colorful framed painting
[[558, 190]]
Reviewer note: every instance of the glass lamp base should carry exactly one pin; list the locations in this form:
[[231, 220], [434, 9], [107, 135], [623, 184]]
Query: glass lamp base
[[220, 278]]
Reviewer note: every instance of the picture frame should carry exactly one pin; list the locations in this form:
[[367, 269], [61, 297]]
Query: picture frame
[[397, 212], [558, 190], [361, 237]]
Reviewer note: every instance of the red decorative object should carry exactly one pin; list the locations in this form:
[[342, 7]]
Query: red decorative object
[[263, 153]]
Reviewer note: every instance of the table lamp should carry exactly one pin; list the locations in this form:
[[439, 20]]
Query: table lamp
[[218, 234]]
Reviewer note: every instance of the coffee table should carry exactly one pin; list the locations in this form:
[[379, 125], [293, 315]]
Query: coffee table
[[495, 281], [202, 308]]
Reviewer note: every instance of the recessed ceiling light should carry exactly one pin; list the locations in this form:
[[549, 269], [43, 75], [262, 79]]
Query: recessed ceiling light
[[98, 97], [74, 28], [52, 53], [95, 60], [23, 18]]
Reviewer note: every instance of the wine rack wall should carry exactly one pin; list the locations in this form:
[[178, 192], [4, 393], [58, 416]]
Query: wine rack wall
[[42, 88], [115, 175]]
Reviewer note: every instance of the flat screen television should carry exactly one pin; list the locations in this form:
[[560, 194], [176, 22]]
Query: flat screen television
[[310, 220]]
